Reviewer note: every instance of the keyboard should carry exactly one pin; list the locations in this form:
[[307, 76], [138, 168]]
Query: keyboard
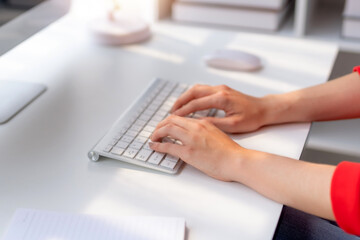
[[128, 139]]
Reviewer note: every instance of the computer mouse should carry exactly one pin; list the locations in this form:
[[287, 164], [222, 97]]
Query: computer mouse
[[236, 60]]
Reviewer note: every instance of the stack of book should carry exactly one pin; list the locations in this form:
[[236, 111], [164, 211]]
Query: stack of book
[[259, 14], [351, 21]]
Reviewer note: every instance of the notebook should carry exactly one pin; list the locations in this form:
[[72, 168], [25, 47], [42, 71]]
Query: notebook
[[29, 224]]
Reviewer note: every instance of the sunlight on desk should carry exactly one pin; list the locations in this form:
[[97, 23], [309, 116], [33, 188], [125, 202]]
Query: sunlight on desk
[[151, 52], [271, 85], [193, 36]]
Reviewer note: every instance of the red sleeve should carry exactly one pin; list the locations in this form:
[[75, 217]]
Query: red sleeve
[[345, 196], [357, 69]]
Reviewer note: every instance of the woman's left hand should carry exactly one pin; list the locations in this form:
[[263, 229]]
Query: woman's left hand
[[203, 146]]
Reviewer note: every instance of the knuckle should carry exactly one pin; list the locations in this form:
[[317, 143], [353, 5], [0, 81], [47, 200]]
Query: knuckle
[[224, 87], [171, 118], [223, 97], [189, 152], [234, 122], [197, 127], [170, 126], [222, 94]]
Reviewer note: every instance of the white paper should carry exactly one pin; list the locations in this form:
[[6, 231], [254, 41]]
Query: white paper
[[30, 224]]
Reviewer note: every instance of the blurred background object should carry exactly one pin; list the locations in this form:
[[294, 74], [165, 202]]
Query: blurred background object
[[351, 22], [19, 20], [260, 14]]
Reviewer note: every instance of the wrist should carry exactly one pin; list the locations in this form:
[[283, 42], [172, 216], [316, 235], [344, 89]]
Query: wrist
[[242, 159], [276, 108]]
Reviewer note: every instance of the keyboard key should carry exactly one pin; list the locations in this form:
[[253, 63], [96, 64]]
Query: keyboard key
[[171, 158], [122, 144], [131, 133], [122, 130], [127, 138], [118, 136], [149, 128], [117, 150], [149, 112], [135, 128], [144, 154], [163, 95], [202, 113], [130, 153], [165, 108], [168, 164], [153, 108], [153, 123], [161, 113], [197, 116], [113, 141], [108, 148], [135, 145], [156, 118], [212, 112], [140, 123], [156, 158], [167, 140], [145, 134], [145, 117], [141, 139], [171, 100], [127, 125], [147, 146]]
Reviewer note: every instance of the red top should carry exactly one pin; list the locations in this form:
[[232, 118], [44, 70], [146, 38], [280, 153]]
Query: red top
[[357, 69], [345, 196]]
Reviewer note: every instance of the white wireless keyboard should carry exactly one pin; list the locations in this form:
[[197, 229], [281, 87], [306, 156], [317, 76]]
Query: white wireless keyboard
[[128, 139]]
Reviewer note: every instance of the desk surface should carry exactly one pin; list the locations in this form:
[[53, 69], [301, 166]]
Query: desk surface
[[44, 149]]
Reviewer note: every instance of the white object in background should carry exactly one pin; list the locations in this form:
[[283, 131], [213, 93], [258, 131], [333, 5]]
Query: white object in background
[[43, 225], [270, 4], [119, 28], [229, 16], [351, 28], [352, 8], [351, 22], [233, 60], [14, 96]]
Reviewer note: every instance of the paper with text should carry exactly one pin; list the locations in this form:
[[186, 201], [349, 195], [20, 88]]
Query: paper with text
[[30, 224]]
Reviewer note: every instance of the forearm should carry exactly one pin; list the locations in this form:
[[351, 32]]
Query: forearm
[[337, 99], [304, 186]]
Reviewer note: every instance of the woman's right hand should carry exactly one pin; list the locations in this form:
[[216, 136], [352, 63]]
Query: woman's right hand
[[244, 113]]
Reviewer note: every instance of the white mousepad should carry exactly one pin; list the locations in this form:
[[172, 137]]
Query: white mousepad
[[15, 96]]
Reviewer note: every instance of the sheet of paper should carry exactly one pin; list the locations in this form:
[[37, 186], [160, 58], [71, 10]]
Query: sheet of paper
[[30, 224]]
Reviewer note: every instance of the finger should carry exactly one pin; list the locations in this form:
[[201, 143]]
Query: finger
[[177, 120], [170, 130], [170, 148], [210, 101], [195, 92]]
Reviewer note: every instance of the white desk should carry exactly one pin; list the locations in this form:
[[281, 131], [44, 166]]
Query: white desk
[[44, 149]]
